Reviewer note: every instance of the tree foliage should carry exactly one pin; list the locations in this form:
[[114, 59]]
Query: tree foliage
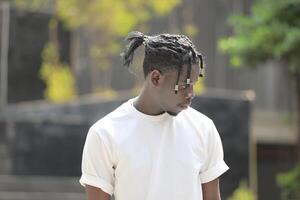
[[242, 193], [271, 31], [289, 182], [109, 20], [57, 76], [104, 21]]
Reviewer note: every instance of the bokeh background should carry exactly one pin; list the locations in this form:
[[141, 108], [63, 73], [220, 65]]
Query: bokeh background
[[61, 70]]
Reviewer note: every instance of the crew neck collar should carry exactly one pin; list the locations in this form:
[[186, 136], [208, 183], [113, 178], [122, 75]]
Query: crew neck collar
[[160, 117]]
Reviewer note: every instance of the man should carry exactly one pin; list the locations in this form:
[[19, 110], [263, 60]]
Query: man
[[156, 147]]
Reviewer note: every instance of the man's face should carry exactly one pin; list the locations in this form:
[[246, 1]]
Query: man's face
[[174, 103]]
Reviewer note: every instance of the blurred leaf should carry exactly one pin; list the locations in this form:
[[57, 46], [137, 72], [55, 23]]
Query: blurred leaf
[[107, 93], [271, 31], [242, 193], [289, 182], [104, 21], [57, 76], [163, 7], [50, 53], [110, 20], [53, 23], [199, 87], [190, 30]]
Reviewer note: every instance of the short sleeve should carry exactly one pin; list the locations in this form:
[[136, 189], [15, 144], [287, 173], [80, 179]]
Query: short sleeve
[[97, 163], [214, 164]]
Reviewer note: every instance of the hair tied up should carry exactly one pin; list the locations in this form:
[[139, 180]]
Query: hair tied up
[[135, 39]]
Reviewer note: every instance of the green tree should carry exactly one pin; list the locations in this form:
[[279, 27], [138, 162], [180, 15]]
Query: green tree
[[109, 20], [270, 32], [289, 182], [57, 76], [242, 193], [106, 21]]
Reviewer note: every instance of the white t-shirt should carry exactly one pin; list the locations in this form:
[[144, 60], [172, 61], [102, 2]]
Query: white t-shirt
[[141, 157]]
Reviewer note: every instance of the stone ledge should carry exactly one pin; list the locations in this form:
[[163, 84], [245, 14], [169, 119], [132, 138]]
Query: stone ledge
[[41, 196], [270, 127], [40, 184]]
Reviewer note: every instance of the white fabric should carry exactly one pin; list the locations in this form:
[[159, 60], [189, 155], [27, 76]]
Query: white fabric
[[142, 157]]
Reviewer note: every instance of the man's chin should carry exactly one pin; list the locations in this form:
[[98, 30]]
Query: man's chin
[[178, 109], [174, 114]]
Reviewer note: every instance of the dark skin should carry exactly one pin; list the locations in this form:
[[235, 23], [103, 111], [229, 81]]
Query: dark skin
[[94, 193], [157, 97]]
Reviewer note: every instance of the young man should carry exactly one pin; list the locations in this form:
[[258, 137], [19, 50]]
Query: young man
[[156, 147]]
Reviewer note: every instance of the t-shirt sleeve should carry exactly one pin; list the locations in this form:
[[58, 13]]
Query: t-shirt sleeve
[[214, 164], [97, 163]]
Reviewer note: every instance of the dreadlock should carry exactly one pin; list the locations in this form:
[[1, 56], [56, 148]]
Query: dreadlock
[[163, 52]]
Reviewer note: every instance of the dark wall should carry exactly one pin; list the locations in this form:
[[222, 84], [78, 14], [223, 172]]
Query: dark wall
[[48, 140], [47, 148], [28, 35], [272, 160]]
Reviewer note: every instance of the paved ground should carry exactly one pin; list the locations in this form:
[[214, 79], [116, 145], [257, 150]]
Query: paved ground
[[40, 188]]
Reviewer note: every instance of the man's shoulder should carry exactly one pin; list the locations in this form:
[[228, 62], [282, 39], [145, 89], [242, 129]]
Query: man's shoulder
[[197, 121], [113, 119], [194, 119]]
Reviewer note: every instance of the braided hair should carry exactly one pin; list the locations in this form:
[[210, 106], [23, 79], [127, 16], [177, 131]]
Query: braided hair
[[163, 52]]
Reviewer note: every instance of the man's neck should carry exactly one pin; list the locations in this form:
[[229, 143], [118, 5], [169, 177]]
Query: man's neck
[[146, 103]]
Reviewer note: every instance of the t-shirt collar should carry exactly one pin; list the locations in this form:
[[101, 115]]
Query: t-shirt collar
[[160, 117]]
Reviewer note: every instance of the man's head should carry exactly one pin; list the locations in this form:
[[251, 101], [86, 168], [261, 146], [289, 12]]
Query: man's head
[[171, 68]]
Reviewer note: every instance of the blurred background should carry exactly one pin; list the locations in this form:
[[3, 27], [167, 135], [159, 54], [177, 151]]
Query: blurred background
[[61, 70]]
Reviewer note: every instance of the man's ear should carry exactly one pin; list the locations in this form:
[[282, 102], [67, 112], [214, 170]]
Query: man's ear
[[156, 77]]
